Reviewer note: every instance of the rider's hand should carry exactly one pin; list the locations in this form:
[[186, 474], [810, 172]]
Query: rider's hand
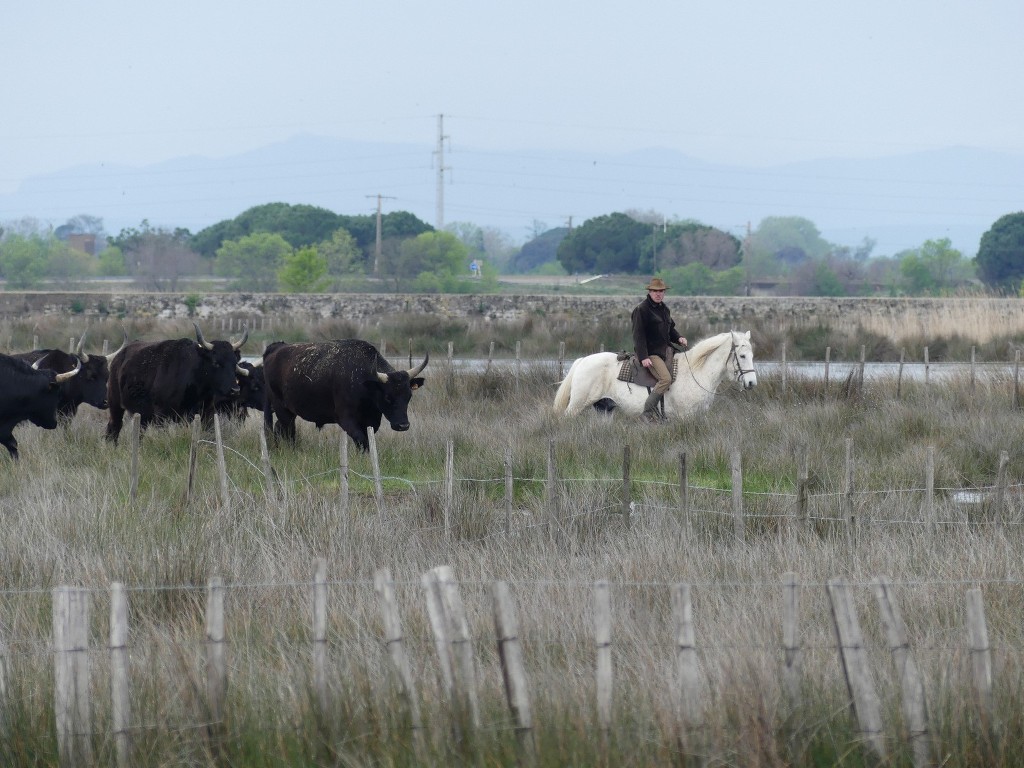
[[682, 341], [646, 362]]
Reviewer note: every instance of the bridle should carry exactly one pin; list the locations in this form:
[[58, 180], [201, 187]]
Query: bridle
[[740, 371], [733, 355]]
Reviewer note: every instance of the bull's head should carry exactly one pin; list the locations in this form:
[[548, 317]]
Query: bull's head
[[396, 390]]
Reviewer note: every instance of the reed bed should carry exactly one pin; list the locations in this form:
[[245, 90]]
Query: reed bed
[[68, 519]]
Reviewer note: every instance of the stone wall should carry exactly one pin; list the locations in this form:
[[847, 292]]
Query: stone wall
[[977, 319]]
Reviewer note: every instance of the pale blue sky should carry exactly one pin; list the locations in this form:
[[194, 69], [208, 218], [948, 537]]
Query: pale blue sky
[[751, 82]]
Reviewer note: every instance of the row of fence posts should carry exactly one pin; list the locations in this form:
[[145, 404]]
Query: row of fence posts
[[802, 495], [454, 647], [859, 378]]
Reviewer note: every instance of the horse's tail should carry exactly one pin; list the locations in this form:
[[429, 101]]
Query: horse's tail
[[564, 391]]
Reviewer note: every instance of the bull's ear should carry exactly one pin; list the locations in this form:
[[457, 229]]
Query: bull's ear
[[417, 382]]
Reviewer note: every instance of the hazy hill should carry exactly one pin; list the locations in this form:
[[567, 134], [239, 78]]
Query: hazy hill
[[900, 201]]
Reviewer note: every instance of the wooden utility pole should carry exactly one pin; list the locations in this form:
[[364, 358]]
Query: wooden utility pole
[[377, 250], [441, 168]]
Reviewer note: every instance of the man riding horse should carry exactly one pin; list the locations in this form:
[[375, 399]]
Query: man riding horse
[[653, 331]]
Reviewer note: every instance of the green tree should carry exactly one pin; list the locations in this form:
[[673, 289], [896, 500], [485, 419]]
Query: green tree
[[343, 255], [604, 244], [23, 260], [431, 262], [681, 243], [934, 269], [1000, 259], [791, 237], [299, 225], [303, 271], [252, 261], [539, 252], [111, 262]]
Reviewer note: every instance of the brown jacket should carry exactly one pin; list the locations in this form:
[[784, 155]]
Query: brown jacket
[[653, 329]]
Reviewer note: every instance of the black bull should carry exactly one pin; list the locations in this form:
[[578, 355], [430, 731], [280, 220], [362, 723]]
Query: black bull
[[89, 386], [346, 382], [27, 394], [171, 380]]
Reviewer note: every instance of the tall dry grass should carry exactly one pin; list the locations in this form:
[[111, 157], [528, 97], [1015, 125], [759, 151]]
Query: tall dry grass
[[68, 520]]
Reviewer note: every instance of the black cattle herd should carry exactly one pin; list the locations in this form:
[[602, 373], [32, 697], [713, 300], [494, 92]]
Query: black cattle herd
[[345, 382]]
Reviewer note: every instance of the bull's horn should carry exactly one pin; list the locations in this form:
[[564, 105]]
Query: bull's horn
[[124, 343], [383, 377], [414, 372], [199, 337], [245, 335], [241, 371], [79, 349], [65, 376]]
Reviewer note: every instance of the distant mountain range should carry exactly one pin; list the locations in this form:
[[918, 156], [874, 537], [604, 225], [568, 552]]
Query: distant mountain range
[[898, 201]]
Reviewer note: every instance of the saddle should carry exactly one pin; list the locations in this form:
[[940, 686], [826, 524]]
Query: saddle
[[632, 372]]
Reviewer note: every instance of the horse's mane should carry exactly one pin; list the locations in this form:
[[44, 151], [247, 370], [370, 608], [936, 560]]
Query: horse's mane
[[699, 355]]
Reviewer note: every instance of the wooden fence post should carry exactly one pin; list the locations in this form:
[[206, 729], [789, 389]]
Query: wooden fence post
[[684, 495], [899, 374], [848, 518], [1000, 499], [784, 370], [449, 486], [929, 489], [461, 644], [973, 356], [981, 658], [791, 636], [828, 358], [320, 634], [850, 641], [394, 640], [802, 480], [343, 475], [603, 665], [552, 484], [222, 467], [914, 714], [509, 488], [268, 470], [739, 528], [135, 437], [193, 458], [513, 671], [561, 360], [435, 613], [71, 676], [627, 492], [927, 378], [1016, 379], [120, 702], [216, 662], [689, 707], [378, 486]]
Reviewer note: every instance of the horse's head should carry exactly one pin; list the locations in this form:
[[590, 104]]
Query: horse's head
[[743, 355]]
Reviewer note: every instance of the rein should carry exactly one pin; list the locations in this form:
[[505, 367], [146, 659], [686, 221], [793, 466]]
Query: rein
[[732, 354]]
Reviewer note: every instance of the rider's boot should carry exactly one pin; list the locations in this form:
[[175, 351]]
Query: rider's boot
[[651, 408]]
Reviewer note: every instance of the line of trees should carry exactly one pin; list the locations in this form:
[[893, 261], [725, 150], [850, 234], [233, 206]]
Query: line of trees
[[303, 248]]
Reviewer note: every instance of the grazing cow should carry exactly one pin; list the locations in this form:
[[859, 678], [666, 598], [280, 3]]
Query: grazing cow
[[27, 393], [171, 380], [250, 394], [89, 386], [346, 382]]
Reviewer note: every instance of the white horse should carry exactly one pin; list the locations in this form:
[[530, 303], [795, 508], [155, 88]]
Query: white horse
[[701, 369]]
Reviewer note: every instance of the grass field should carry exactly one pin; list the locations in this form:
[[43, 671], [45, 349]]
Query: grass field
[[69, 520]]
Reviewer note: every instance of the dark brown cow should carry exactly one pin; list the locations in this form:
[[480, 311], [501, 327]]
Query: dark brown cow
[[345, 382], [89, 386], [171, 380], [27, 393]]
